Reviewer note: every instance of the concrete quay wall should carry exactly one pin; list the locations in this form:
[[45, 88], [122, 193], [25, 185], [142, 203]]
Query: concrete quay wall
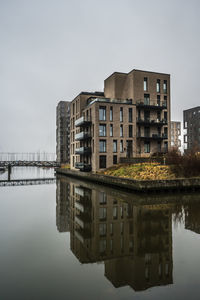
[[185, 184]]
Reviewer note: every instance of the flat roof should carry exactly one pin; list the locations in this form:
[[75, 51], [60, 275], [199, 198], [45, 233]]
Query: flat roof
[[196, 107], [136, 70]]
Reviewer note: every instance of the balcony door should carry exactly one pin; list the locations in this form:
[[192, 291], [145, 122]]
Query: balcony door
[[129, 149]]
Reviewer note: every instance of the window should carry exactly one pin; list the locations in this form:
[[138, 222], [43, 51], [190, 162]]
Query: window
[[111, 228], [102, 246], [130, 115], [165, 86], [121, 146], [145, 84], [165, 115], [115, 146], [102, 198], [111, 129], [111, 113], [102, 161], [130, 130], [102, 113], [102, 146], [158, 100], [121, 130], [165, 101], [121, 114], [102, 213], [147, 147], [158, 86], [165, 146], [102, 130], [146, 99], [114, 159], [165, 132], [115, 212], [102, 229]]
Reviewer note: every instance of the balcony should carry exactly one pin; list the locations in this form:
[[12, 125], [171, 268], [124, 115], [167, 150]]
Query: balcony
[[82, 235], [151, 104], [147, 121], [79, 206], [154, 136], [83, 151], [83, 121], [83, 166], [82, 136]]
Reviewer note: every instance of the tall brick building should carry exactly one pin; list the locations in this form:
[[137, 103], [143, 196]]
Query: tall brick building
[[191, 121], [130, 119], [63, 132]]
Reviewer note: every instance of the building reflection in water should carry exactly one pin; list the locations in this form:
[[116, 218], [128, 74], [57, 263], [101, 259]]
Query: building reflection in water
[[133, 241], [192, 217]]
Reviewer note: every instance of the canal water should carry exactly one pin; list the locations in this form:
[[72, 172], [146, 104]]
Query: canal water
[[76, 240]]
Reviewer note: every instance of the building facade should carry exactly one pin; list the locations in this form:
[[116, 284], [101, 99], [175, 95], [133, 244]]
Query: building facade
[[175, 134], [63, 132], [191, 121], [130, 119]]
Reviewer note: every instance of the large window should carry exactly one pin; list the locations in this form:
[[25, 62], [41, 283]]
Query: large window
[[111, 114], [102, 213], [102, 229], [114, 159], [121, 114], [158, 86], [130, 130], [165, 86], [147, 147], [145, 84], [102, 146], [121, 146], [102, 161], [130, 115], [111, 129], [121, 130], [102, 246], [146, 99], [102, 198], [102, 130], [102, 113], [115, 146]]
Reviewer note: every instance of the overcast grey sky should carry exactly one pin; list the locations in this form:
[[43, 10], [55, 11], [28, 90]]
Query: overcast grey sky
[[53, 49]]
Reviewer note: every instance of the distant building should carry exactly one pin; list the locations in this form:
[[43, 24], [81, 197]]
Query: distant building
[[130, 119], [191, 121], [63, 132], [175, 134]]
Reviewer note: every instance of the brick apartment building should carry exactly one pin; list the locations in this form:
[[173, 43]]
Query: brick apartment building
[[175, 134], [130, 119], [191, 121]]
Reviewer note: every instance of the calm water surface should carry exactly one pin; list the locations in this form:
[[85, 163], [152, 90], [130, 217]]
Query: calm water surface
[[75, 240]]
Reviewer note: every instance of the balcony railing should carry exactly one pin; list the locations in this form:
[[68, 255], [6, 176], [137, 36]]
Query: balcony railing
[[83, 166], [151, 122], [151, 104], [83, 121], [153, 136], [83, 150], [82, 136]]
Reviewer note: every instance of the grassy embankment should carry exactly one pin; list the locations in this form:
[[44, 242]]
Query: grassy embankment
[[143, 171], [177, 166]]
